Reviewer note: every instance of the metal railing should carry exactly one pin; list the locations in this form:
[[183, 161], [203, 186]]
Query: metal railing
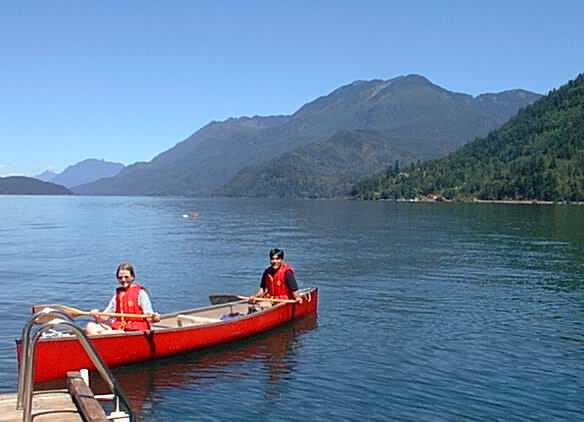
[[27, 360], [23, 389]]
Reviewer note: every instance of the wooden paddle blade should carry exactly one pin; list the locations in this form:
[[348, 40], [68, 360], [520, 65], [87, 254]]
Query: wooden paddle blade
[[74, 312], [41, 319], [220, 299], [40, 307]]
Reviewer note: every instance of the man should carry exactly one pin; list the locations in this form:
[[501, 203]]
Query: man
[[278, 280]]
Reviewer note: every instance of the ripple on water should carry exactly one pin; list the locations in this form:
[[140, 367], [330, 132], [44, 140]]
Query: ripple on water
[[427, 313]]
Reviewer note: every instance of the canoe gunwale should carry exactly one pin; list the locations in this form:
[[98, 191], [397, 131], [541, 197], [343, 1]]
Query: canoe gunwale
[[163, 329], [158, 331]]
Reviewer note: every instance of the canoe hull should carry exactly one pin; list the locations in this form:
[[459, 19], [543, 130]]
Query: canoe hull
[[54, 357]]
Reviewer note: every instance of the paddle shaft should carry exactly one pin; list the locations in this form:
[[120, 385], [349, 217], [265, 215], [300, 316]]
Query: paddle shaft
[[220, 299], [267, 299], [118, 315], [78, 312]]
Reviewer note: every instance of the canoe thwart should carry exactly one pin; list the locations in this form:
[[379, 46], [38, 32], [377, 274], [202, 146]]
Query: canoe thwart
[[181, 319]]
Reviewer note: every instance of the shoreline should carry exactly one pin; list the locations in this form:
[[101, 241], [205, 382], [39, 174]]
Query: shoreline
[[492, 201]]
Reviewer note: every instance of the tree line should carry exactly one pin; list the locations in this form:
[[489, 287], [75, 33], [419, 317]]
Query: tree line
[[537, 155]]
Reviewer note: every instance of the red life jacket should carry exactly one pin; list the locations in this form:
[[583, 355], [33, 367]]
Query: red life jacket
[[276, 284], [127, 303]]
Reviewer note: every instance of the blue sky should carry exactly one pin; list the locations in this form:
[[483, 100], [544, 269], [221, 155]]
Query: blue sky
[[124, 81]]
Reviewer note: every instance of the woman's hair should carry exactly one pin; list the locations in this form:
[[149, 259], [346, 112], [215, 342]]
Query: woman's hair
[[126, 266], [278, 253]]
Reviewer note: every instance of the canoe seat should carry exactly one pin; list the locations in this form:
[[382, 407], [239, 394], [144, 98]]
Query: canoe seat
[[191, 319], [162, 325]]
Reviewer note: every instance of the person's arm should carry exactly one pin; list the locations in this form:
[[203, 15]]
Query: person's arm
[[290, 280], [146, 305], [144, 302], [262, 290], [111, 306]]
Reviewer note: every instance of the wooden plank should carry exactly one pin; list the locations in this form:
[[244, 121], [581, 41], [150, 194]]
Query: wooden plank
[[83, 397], [47, 406]]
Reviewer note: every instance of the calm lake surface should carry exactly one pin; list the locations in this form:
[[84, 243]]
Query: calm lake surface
[[428, 312]]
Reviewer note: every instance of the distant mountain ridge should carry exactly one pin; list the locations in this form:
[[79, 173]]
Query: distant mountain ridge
[[83, 172], [537, 155], [46, 176], [432, 120], [21, 185]]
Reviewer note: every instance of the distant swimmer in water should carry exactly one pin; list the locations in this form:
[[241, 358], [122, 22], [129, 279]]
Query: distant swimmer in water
[[191, 215]]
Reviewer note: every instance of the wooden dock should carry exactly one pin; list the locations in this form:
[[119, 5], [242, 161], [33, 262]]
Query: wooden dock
[[75, 404]]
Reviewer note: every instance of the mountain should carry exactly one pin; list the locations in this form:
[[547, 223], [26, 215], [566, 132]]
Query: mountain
[[20, 185], [538, 155], [204, 161], [434, 121], [46, 176], [322, 170], [86, 171]]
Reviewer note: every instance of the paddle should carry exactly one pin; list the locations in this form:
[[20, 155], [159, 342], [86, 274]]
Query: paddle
[[74, 312], [219, 299]]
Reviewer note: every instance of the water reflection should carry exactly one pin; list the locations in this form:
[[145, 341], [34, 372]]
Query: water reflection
[[271, 354]]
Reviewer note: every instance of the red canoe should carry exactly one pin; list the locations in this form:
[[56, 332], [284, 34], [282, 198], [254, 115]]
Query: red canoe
[[175, 333]]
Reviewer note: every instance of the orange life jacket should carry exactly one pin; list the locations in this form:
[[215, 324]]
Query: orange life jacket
[[276, 284], [127, 303]]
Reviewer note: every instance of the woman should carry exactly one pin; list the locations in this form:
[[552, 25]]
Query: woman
[[129, 298]]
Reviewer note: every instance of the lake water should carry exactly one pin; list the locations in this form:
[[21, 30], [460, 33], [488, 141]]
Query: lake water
[[428, 312]]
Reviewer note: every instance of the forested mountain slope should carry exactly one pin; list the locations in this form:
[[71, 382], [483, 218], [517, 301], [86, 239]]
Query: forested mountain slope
[[323, 170], [538, 155]]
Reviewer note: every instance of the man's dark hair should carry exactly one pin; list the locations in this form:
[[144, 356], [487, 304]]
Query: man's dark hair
[[278, 253]]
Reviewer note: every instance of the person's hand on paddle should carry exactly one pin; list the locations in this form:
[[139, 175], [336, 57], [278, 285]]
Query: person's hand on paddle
[[260, 293], [155, 317], [99, 318]]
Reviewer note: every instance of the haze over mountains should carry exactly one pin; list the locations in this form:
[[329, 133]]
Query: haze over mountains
[[46, 175], [85, 171], [367, 123]]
